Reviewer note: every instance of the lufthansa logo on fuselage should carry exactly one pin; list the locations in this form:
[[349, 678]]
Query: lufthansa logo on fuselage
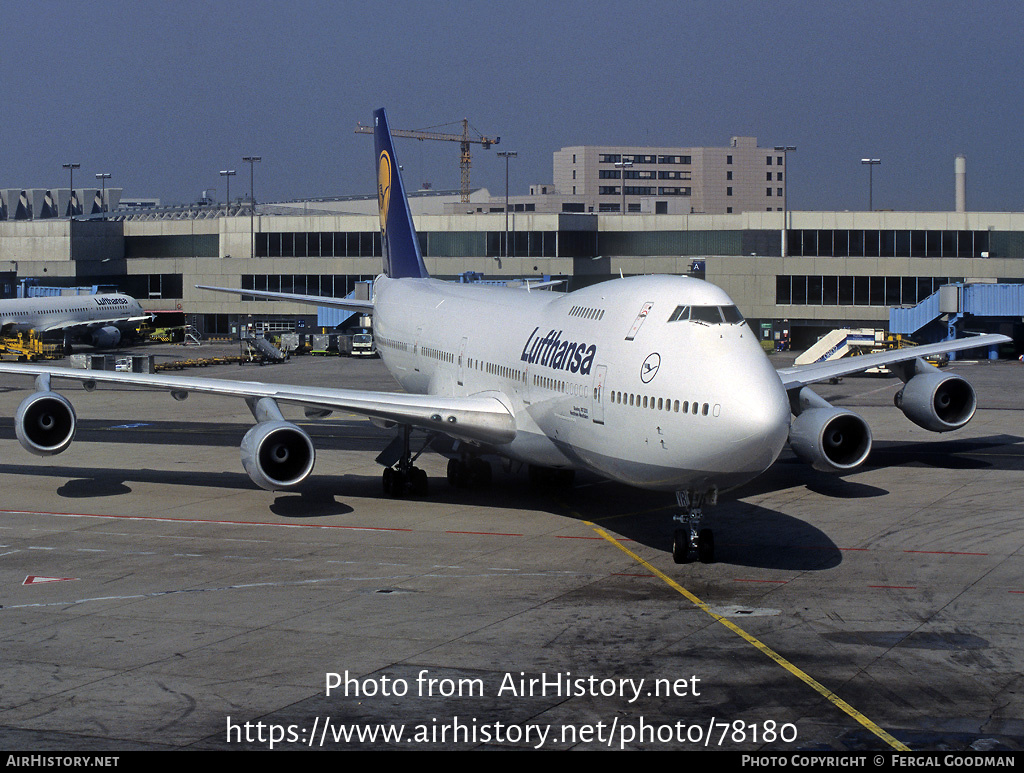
[[111, 301], [552, 352], [384, 187], [650, 367]]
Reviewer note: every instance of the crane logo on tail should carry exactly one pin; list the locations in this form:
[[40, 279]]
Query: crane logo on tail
[[384, 188]]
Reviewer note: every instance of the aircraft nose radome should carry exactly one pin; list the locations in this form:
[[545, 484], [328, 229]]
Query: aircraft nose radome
[[762, 423]]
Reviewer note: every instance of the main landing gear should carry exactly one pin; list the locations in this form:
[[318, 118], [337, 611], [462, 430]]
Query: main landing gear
[[397, 482], [472, 473], [400, 476], [692, 538]]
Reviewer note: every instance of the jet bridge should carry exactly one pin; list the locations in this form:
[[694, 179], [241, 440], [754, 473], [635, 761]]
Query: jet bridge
[[941, 316]]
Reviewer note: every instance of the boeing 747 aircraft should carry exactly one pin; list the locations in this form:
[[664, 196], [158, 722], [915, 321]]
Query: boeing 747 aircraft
[[652, 381], [99, 320]]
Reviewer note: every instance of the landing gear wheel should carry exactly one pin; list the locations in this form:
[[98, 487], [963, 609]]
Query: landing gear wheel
[[459, 474], [691, 539], [473, 474], [418, 482], [706, 546], [681, 546], [479, 473], [395, 482], [401, 478]]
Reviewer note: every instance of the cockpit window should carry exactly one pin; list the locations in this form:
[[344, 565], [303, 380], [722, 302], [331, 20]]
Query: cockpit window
[[732, 315], [708, 315]]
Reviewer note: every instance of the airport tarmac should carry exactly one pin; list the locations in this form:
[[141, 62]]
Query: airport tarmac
[[178, 606]]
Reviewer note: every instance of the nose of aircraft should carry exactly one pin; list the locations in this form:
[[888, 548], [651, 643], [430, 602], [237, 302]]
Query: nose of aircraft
[[760, 427]]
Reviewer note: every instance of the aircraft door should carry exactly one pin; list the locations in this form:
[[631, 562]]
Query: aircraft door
[[462, 360], [416, 349], [640, 318], [597, 394]]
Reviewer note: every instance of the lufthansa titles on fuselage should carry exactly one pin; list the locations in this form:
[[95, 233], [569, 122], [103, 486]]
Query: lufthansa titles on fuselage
[[104, 300], [552, 352]]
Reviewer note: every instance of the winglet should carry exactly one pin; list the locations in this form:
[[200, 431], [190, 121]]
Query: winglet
[[402, 257]]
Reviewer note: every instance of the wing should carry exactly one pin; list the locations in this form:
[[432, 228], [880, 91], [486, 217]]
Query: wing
[[313, 300], [93, 323], [483, 418], [802, 375]]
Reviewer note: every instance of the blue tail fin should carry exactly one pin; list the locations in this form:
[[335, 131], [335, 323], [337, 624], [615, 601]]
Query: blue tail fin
[[402, 257]]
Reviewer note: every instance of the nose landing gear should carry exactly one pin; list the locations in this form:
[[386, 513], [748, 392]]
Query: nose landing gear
[[691, 539]]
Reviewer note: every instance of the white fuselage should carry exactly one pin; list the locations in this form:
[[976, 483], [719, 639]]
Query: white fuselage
[[51, 314], [597, 379]]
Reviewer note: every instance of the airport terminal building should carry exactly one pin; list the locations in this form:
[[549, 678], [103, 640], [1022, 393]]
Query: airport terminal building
[[715, 212], [835, 269]]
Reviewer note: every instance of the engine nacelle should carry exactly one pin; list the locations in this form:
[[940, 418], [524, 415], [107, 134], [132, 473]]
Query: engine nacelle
[[277, 454], [830, 439], [45, 423], [105, 337], [939, 402]]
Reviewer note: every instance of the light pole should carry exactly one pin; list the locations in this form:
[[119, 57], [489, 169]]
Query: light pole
[[623, 165], [227, 174], [71, 184], [506, 155], [871, 164], [251, 160], [784, 150], [103, 177]]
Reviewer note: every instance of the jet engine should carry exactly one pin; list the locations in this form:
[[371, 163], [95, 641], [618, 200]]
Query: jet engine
[[45, 423], [939, 402], [105, 337], [830, 439], [277, 454]]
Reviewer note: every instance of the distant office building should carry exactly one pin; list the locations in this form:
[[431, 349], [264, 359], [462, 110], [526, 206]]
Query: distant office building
[[741, 177], [716, 181]]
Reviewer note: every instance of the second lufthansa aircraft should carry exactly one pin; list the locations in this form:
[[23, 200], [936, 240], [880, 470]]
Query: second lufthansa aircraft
[[100, 320], [653, 381]]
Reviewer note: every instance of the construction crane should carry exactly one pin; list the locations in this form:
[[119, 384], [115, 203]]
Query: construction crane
[[464, 139]]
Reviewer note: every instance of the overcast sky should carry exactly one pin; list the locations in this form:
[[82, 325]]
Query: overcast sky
[[163, 95]]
